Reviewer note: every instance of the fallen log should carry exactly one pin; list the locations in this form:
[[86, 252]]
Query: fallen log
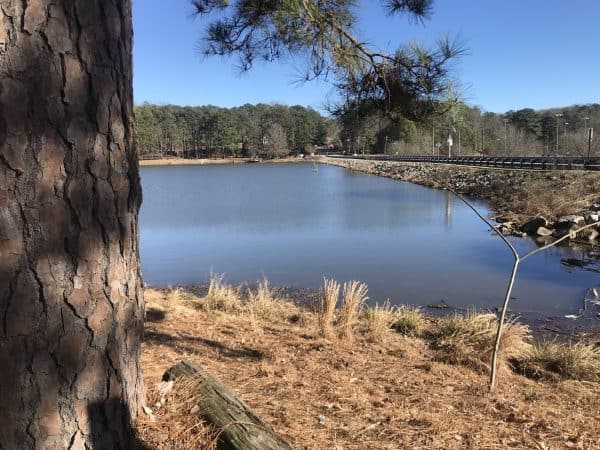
[[238, 427]]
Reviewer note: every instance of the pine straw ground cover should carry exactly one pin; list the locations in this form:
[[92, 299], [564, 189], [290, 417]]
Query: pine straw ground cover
[[391, 393]]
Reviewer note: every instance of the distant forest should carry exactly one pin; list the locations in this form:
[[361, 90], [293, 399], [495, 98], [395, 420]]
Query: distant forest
[[476, 132], [210, 131], [276, 130]]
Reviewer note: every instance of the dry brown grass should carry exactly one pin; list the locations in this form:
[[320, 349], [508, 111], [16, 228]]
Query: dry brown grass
[[264, 304], [327, 306], [353, 298], [552, 196], [409, 321], [552, 360], [378, 321], [177, 297], [390, 394], [469, 340], [220, 296]]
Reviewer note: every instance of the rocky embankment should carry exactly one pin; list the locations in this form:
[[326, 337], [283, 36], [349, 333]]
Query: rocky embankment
[[542, 204]]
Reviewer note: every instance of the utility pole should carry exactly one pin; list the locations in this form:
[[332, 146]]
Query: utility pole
[[433, 141], [558, 116], [585, 131]]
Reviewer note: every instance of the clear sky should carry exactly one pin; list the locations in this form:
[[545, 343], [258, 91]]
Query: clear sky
[[522, 53]]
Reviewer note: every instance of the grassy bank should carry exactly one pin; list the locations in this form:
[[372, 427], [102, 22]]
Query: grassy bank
[[340, 375]]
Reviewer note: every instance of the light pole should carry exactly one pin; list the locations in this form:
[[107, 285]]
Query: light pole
[[558, 116], [566, 146], [482, 140], [385, 144], [505, 134], [585, 119], [458, 130], [433, 140]]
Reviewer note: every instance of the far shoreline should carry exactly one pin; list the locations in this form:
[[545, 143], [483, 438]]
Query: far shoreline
[[215, 161]]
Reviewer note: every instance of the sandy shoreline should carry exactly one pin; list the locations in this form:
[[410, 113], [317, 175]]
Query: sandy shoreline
[[209, 161]]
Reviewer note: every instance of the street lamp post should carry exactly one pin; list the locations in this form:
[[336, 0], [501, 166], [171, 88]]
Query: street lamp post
[[585, 132], [460, 119], [566, 143], [505, 134], [433, 140], [558, 116], [482, 140]]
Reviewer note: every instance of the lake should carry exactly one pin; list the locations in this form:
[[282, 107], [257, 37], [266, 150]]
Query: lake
[[292, 225]]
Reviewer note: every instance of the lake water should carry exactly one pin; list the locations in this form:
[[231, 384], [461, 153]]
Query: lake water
[[285, 222]]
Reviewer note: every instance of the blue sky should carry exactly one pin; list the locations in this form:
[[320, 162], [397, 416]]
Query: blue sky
[[527, 53]]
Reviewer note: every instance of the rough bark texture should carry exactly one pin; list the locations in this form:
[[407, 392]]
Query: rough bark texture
[[238, 427], [71, 305]]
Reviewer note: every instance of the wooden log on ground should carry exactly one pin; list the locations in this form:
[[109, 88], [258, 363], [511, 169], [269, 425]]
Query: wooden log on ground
[[239, 428]]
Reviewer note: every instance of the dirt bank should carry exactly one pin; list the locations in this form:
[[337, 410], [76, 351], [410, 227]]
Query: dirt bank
[[390, 393], [515, 196]]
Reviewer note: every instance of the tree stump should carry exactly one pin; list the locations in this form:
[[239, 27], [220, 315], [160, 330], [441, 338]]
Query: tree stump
[[239, 428]]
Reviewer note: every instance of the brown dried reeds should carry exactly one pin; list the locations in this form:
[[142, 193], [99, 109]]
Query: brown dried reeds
[[379, 320], [409, 321], [353, 298], [264, 304], [326, 307], [220, 296]]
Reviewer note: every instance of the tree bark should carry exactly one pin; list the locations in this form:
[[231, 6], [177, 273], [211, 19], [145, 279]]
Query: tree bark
[[71, 302]]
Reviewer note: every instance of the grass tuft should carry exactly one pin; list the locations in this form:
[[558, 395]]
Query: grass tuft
[[326, 307], [180, 297], [353, 299], [469, 340], [379, 320], [220, 296], [553, 361], [409, 321], [264, 304]]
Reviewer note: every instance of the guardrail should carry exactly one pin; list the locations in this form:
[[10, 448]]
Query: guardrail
[[510, 162]]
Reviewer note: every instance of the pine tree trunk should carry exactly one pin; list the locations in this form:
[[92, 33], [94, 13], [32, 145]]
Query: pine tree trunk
[[71, 304]]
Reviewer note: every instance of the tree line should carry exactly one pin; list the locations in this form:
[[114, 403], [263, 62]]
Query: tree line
[[523, 132], [267, 130]]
